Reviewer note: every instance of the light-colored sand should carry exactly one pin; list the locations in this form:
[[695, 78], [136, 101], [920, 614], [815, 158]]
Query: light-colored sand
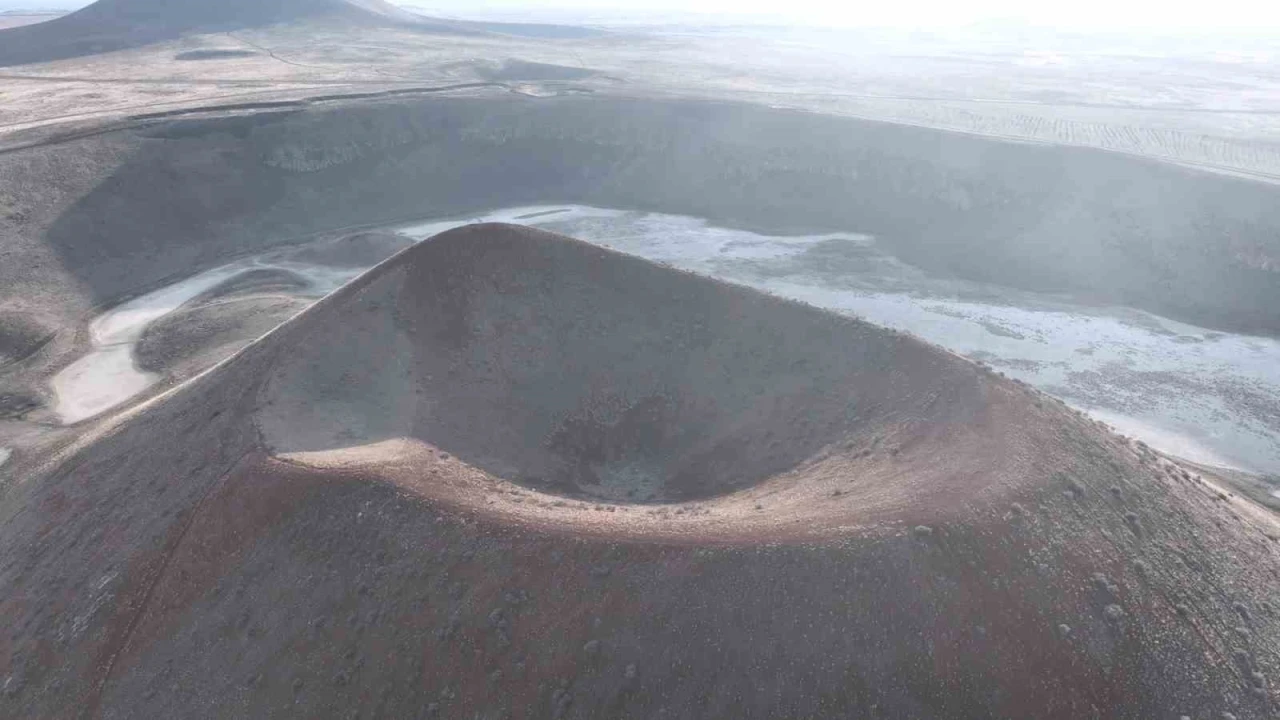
[[1171, 442], [107, 377]]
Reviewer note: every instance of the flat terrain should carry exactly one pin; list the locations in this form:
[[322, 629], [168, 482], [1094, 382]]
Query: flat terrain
[[1179, 102], [12, 19]]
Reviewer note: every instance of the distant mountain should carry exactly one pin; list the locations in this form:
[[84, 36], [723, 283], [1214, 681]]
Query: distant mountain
[[109, 25], [196, 14]]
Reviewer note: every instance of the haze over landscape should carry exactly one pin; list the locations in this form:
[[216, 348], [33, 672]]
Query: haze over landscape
[[1091, 15], [725, 360]]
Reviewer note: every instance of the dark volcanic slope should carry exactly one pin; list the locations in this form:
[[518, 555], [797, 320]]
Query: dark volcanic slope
[[117, 24], [413, 501]]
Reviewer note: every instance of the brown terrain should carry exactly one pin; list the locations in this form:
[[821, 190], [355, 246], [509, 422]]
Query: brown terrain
[[506, 474]]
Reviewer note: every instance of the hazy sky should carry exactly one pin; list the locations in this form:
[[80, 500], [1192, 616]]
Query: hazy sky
[[1190, 15], [1076, 14]]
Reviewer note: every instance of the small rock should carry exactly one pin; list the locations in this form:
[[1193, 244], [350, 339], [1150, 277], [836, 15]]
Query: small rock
[[630, 672], [12, 686], [1114, 613], [923, 531], [1064, 630], [592, 647], [1240, 609], [1104, 584]]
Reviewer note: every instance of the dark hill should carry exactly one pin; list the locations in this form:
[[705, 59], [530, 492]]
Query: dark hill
[[506, 474], [110, 25]]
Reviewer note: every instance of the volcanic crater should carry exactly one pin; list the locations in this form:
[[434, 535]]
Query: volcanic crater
[[506, 473], [514, 370]]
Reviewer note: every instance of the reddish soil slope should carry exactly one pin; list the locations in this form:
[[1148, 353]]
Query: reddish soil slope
[[510, 475]]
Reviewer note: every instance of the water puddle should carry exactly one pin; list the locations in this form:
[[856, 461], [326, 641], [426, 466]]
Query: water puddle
[[5, 454]]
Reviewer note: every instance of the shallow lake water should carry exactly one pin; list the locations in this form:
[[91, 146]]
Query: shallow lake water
[[1206, 396]]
